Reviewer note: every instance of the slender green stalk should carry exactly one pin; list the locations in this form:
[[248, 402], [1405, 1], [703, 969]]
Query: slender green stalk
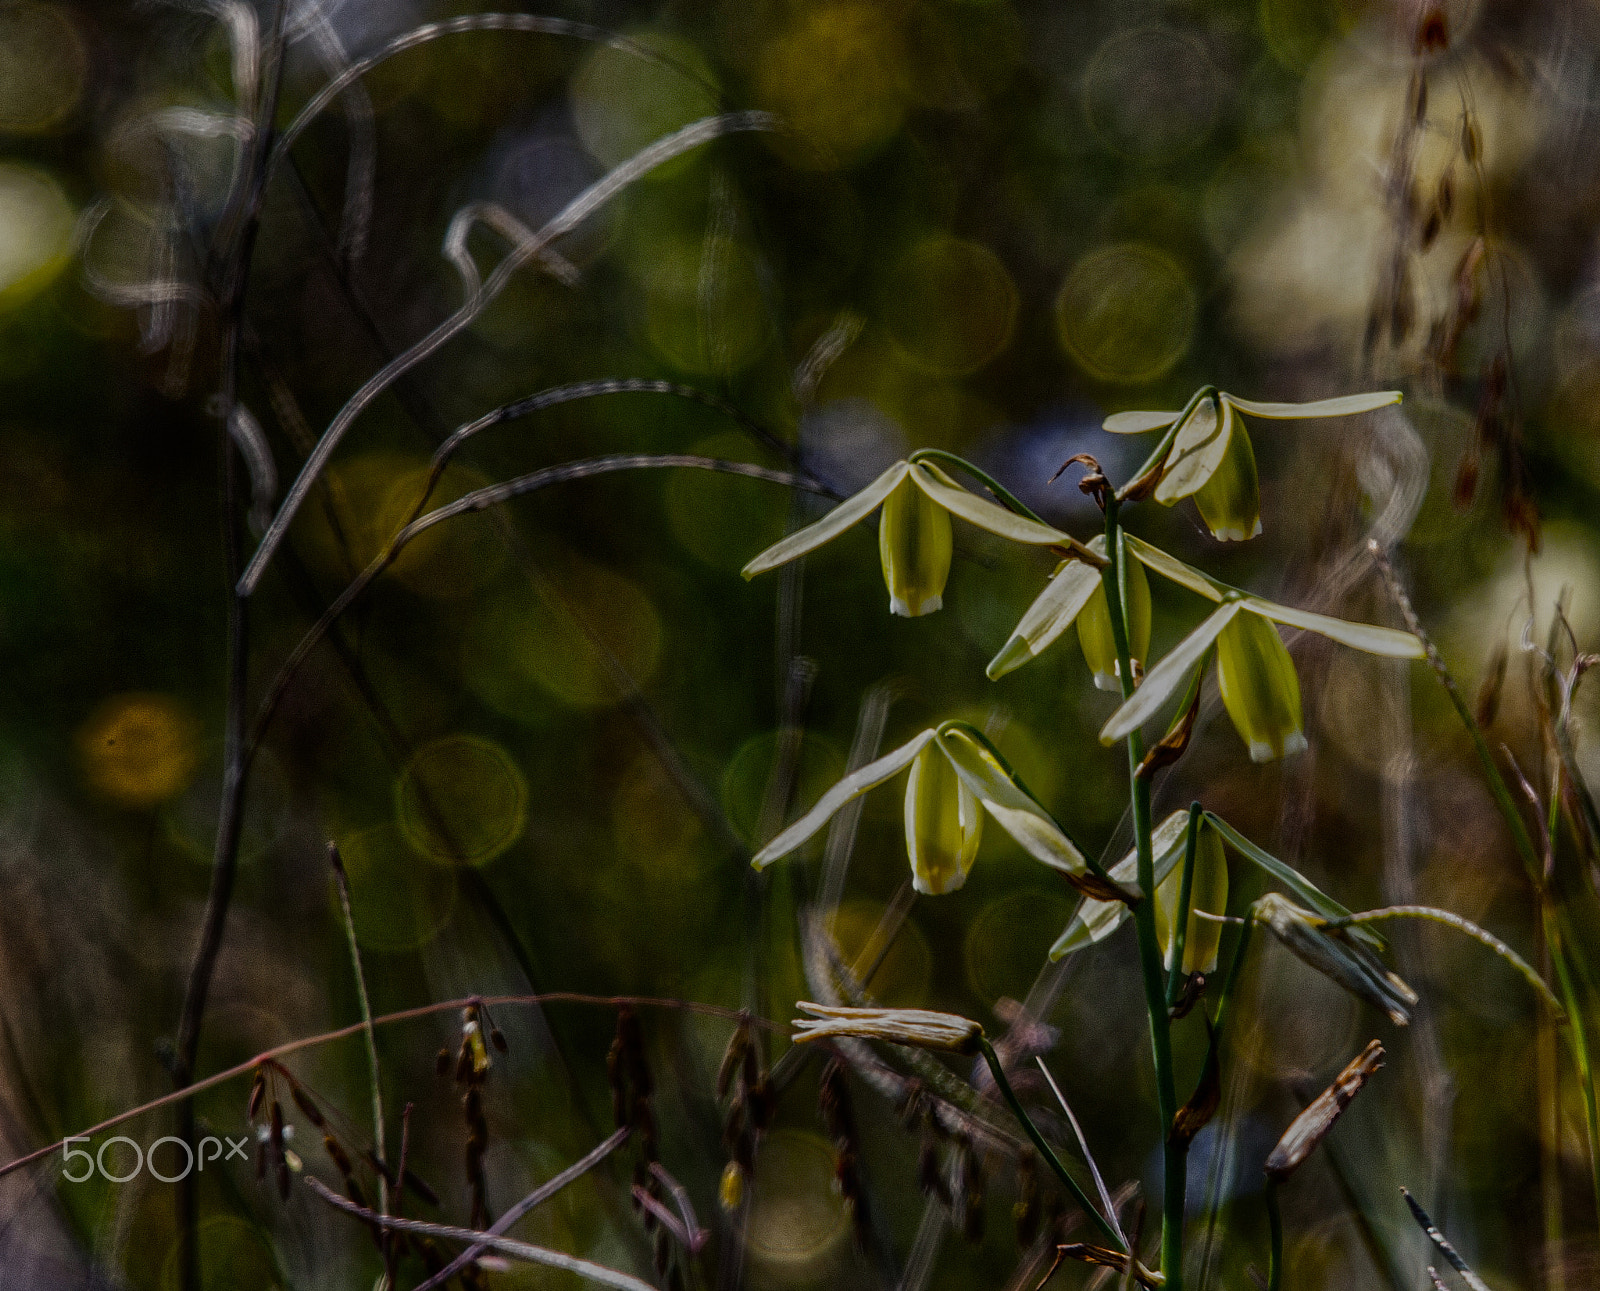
[[1578, 1037], [1180, 930], [1045, 1150], [367, 1033], [1274, 1237], [1174, 1154]]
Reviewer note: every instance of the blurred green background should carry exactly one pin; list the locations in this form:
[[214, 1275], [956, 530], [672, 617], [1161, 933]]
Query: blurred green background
[[984, 226]]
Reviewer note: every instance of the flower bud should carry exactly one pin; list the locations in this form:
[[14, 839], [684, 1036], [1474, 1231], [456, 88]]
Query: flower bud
[[1094, 628], [1259, 687], [1230, 501], [944, 823], [1208, 893], [915, 545]]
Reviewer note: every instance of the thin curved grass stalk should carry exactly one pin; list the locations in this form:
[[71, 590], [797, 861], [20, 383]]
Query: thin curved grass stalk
[[1450, 920], [1577, 1032], [525, 1251], [267, 1056], [1088, 1157], [534, 1199], [478, 297], [1003, 1084], [531, 24], [374, 1073]]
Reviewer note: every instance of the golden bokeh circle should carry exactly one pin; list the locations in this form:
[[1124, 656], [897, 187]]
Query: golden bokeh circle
[[901, 970], [1126, 313], [838, 76], [796, 1215], [1009, 941], [139, 750], [950, 305], [462, 799]]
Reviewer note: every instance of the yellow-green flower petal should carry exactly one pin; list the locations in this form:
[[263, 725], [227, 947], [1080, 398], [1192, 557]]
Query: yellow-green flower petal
[[1173, 569], [982, 512], [1197, 450], [944, 824], [854, 508], [1259, 687], [1363, 636], [1052, 612], [1094, 629], [1014, 810], [1162, 681], [846, 790], [1137, 423], [915, 545], [1096, 920], [1230, 500], [1208, 893], [1343, 406]]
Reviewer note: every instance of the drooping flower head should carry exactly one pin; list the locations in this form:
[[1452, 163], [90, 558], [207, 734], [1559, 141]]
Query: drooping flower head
[[1208, 455], [954, 772], [914, 534]]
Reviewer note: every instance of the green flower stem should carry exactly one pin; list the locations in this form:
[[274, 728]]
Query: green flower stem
[[1180, 930], [1007, 499], [1174, 1154], [1274, 1237], [1164, 444], [1045, 1150]]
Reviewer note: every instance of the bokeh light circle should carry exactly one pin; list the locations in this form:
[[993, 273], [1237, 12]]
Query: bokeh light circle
[[1126, 312], [904, 967], [621, 102], [139, 749], [43, 65], [744, 783], [1152, 93], [838, 76], [1010, 940], [950, 305], [36, 221], [461, 799], [796, 1216]]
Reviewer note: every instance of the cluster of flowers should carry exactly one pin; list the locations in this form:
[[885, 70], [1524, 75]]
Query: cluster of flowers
[[956, 775]]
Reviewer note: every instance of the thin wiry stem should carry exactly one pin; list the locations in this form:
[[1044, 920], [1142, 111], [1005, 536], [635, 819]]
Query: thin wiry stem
[[249, 1066], [229, 272], [375, 1075], [1083, 1148], [536, 1198], [504, 1245], [1003, 1084], [478, 297]]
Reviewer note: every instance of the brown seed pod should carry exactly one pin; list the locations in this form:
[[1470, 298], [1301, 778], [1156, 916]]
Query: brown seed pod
[[732, 1057], [1308, 1129], [302, 1100], [337, 1154]]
